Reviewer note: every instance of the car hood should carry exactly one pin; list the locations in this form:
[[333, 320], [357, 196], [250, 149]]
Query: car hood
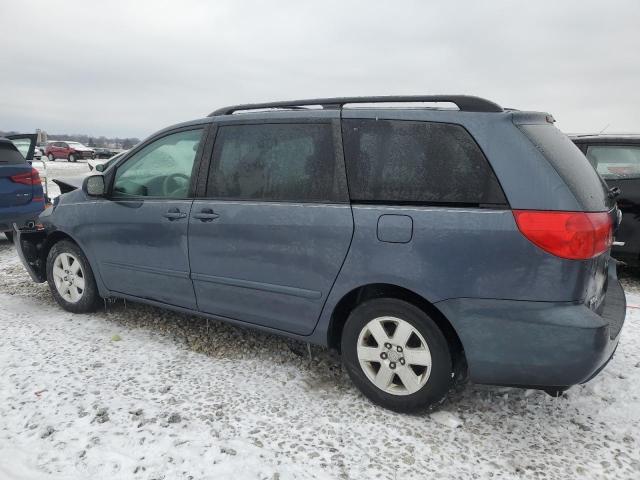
[[68, 184]]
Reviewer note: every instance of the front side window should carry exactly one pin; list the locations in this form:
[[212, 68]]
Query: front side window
[[615, 161], [161, 169], [394, 161], [275, 162]]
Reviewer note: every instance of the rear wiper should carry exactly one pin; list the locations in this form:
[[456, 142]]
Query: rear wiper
[[614, 192]]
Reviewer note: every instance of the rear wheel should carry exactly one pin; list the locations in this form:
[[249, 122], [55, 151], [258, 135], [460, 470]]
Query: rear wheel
[[70, 278], [396, 355], [9, 236], [51, 157]]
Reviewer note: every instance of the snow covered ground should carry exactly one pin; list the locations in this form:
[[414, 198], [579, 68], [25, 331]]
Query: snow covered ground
[[142, 393], [59, 169]]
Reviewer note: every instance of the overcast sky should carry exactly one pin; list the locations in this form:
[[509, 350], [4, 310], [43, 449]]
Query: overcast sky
[[132, 67]]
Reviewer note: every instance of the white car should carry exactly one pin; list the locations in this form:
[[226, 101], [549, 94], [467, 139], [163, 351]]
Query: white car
[[105, 162]]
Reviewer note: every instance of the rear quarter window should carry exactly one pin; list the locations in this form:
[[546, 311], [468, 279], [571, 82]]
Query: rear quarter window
[[615, 162], [9, 154], [573, 167], [411, 162]]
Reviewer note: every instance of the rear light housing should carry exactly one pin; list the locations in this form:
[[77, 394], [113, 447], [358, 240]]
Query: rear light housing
[[27, 178], [571, 235]]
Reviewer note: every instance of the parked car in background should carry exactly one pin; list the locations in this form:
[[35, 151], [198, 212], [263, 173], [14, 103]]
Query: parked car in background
[[427, 245], [67, 184], [102, 152], [72, 151], [93, 164], [617, 159], [21, 194]]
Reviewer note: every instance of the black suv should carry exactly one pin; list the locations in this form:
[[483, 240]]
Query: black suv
[[617, 160]]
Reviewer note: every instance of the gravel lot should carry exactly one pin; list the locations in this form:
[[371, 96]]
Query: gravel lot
[[138, 392]]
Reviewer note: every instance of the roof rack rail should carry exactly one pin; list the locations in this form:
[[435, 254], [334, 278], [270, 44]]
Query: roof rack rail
[[465, 103]]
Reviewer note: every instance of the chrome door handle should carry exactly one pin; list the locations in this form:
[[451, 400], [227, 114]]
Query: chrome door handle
[[206, 215], [174, 214]]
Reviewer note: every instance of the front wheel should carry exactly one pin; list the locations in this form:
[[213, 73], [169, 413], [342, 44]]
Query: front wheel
[[51, 157], [70, 278], [72, 157], [396, 355]]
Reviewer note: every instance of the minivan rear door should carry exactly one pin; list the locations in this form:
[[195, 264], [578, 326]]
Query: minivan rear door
[[273, 224]]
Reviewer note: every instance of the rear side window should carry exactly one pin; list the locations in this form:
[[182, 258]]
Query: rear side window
[[586, 185], [9, 154], [23, 145], [396, 161], [276, 162], [615, 161]]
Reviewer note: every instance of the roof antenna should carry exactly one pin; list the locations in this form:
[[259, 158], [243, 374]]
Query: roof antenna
[[602, 131]]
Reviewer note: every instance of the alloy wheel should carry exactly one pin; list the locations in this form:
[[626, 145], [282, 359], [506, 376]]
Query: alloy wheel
[[68, 277], [394, 355]]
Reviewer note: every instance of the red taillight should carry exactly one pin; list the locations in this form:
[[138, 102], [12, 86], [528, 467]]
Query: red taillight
[[28, 178], [573, 235]]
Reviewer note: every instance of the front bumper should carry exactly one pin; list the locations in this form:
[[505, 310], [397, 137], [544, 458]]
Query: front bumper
[[537, 344], [30, 245]]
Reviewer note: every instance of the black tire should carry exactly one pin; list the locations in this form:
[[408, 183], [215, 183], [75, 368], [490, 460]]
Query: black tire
[[51, 157], [90, 298], [72, 158], [9, 236], [556, 392], [440, 379]]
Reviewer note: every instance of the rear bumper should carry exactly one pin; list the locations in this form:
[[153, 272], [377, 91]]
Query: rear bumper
[[537, 344], [19, 215]]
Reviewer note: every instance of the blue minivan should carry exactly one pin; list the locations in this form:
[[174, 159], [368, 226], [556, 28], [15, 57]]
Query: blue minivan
[[21, 194], [427, 244]]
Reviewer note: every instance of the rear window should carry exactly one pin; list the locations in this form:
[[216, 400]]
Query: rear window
[[9, 154], [615, 161], [586, 185], [397, 161]]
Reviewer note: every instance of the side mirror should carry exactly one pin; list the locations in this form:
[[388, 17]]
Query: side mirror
[[100, 167], [94, 186]]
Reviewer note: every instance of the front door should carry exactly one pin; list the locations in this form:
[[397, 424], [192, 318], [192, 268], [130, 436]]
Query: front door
[[268, 240], [138, 234]]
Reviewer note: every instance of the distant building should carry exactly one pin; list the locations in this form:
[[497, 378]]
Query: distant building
[[42, 136]]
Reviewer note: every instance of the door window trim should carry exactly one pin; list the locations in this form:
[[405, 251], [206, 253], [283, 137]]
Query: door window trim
[[338, 158], [194, 171]]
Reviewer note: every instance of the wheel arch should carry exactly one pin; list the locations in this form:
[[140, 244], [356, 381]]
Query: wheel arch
[[59, 235], [363, 293]]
